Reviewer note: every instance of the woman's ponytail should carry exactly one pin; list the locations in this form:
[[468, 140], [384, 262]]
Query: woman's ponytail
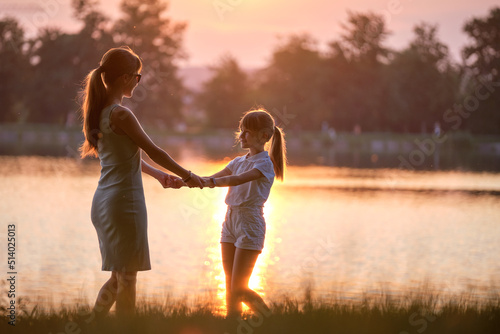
[[114, 63], [94, 98], [278, 153]]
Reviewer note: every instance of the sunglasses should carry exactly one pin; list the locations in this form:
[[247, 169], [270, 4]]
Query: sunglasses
[[138, 77]]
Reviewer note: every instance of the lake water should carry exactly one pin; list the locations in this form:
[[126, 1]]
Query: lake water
[[342, 231]]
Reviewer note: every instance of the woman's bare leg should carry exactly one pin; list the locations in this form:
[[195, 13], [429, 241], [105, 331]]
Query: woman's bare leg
[[125, 296], [107, 296]]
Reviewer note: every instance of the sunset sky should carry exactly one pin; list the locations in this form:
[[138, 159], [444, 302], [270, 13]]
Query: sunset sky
[[250, 29]]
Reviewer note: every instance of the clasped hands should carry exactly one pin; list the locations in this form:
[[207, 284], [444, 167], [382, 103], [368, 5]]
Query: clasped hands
[[171, 181]]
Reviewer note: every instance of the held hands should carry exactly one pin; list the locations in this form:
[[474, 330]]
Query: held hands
[[206, 181], [195, 181], [170, 181], [209, 182]]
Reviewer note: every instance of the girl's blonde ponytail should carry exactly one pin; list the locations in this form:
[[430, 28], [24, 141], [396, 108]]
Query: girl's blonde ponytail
[[278, 153]]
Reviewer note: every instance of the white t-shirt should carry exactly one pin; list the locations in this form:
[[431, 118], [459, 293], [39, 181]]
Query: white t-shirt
[[256, 192]]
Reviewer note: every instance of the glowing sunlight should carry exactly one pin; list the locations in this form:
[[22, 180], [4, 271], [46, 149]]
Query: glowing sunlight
[[216, 273]]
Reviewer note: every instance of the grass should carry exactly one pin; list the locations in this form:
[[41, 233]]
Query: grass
[[427, 313]]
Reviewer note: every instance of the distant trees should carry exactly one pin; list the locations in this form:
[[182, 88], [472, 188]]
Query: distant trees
[[363, 39], [293, 79], [60, 61], [483, 54], [482, 58], [225, 96], [46, 71], [360, 81], [14, 69], [360, 57], [158, 41], [357, 82], [423, 82]]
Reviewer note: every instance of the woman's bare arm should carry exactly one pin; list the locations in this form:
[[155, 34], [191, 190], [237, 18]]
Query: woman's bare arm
[[148, 169], [126, 121]]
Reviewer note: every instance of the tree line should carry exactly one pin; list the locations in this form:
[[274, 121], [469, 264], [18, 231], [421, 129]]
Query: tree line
[[358, 82], [43, 75]]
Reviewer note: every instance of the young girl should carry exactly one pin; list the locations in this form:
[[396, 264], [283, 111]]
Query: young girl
[[249, 179], [113, 133]]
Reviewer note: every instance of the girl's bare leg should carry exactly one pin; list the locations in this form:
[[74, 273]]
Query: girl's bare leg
[[233, 306], [125, 295], [243, 264], [107, 296]]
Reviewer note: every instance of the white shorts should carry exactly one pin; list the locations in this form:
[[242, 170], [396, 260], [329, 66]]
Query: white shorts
[[244, 227]]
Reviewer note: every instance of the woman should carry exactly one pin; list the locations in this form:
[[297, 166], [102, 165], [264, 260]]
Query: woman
[[113, 133]]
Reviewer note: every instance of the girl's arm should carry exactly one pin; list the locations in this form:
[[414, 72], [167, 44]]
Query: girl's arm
[[225, 172], [234, 180], [126, 121]]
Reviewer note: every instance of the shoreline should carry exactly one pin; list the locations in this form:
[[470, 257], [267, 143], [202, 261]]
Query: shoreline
[[383, 313], [424, 151]]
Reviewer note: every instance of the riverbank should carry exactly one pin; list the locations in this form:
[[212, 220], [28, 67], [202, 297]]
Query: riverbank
[[413, 313], [426, 151]]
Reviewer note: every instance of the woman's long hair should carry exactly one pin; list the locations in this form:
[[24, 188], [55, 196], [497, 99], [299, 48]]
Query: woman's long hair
[[114, 63], [260, 120]]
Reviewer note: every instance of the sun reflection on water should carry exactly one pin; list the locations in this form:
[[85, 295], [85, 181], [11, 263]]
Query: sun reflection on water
[[216, 273], [344, 228]]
